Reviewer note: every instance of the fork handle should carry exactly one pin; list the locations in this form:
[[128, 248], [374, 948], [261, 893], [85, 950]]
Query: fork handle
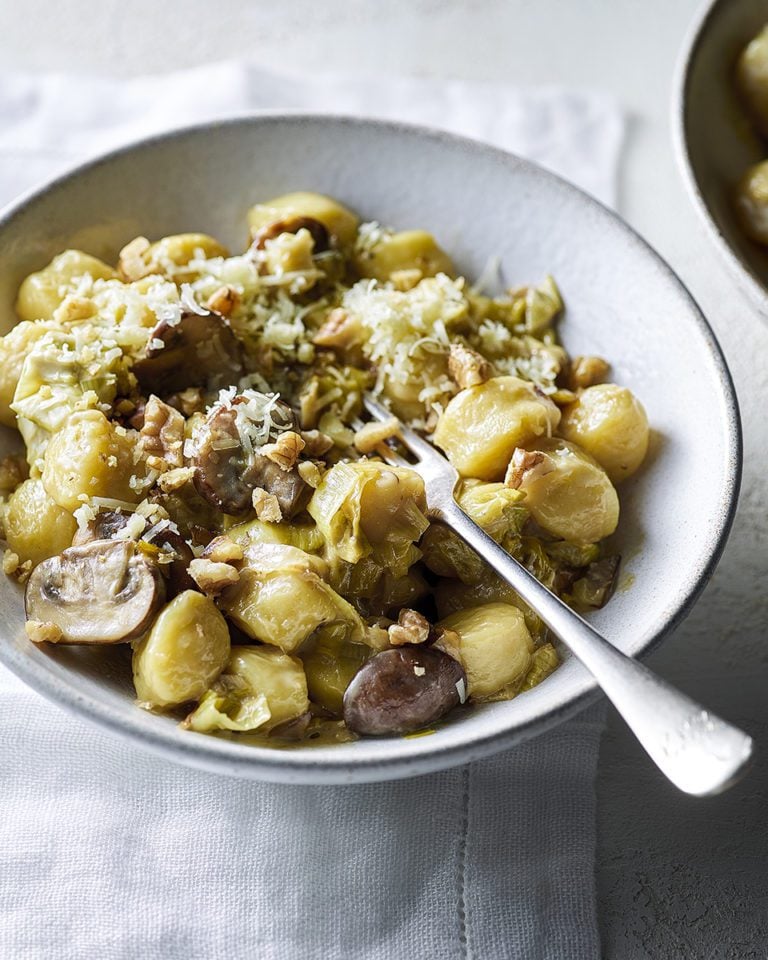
[[700, 753]]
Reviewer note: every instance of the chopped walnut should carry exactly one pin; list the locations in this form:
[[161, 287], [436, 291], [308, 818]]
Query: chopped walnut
[[316, 444], [285, 450], [14, 469], [223, 550], [224, 301], [371, 435], [188, 402], [161, 439], [340, 330], [131, 263], [267, 506], [587, 371], [42, 631], [13, 567], [212, 577], [522, 463], [448, 641], [310, 473], [405, 280], [467, 367], [175, 479], [411, 627]]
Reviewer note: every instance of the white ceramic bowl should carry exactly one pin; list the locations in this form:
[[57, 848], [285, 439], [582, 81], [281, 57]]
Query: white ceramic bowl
[[623, 303], [714, 139]]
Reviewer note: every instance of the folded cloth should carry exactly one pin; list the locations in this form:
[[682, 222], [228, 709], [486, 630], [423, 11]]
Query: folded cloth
[[111, 853]]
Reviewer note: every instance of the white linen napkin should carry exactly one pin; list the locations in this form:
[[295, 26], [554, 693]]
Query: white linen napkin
[[107, 852]]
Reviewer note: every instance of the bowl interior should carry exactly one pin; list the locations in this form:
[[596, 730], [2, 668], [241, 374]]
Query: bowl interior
[[718, 140], [623, 303]]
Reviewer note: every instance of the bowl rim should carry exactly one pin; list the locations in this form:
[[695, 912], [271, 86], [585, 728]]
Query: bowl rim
[[318, 764], [755, 288]]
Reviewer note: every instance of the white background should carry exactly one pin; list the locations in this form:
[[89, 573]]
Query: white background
[[677, 877]]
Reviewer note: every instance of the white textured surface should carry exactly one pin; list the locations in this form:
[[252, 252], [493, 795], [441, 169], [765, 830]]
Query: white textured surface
[[678, 877]]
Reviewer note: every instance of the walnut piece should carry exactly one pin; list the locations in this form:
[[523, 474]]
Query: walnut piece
[[267, 506], [467, 367], [223, 550], [411, 627], [285, 450], [316, 444], [522, 462], [161, 438], [449, 642], [175, 479], [340, 330], [42, 631], [212, 577], [372, 435], [225, 301], [586, 372], [131, 263]]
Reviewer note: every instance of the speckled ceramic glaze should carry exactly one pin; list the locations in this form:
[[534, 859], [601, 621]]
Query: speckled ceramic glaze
[[714, 139], [623, 303]]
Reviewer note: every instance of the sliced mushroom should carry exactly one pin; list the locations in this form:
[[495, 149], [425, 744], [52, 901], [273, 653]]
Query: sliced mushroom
[[104, 526], [106, 591], [226, 474], [175, 569], [201, 349], [402, 690], [319, 232]]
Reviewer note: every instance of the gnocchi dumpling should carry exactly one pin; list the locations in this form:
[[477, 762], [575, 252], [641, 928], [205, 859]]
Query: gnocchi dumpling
[[481, 426], [281, 598], [168, 256], [567, 492], [340, 222], [183, 653], [90, 457], [42, 292], [414, 250], [36, 527], [495, 648], [752, 202], [752, 78], [610, 423]]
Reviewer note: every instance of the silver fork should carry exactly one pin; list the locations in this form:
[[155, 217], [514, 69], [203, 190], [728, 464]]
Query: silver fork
[[700, 753]]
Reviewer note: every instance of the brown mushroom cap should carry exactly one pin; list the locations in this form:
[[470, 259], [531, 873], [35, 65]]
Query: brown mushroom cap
[[196, 351], [107, 523], [170, 542], [106, 591], [104, 526], [226, 475], [320, 236], [402, 690]]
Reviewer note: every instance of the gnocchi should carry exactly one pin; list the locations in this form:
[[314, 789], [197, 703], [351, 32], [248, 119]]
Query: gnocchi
[[611, 424], [512, 415]]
